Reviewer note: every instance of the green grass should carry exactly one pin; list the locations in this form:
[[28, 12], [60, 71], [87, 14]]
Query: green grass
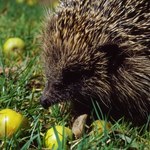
[[21, 84]]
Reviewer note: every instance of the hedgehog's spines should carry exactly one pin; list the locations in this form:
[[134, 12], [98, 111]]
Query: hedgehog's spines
[[104, 47]]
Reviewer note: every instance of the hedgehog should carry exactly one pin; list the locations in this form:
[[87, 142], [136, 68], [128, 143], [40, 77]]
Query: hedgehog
[[99, 50]]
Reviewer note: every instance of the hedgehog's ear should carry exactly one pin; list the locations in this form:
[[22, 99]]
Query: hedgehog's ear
[[115, 56]]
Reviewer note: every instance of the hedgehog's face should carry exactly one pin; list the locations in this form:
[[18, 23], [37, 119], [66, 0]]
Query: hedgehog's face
[[66, 83], [69, 84]]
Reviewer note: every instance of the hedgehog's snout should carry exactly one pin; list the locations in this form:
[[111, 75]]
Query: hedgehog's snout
[[49, 97], [45, 102]]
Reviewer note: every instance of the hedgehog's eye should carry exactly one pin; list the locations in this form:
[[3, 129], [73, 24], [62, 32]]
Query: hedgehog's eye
[[74, 76]]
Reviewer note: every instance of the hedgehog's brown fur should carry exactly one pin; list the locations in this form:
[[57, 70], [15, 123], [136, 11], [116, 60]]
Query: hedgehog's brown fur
[[99, 50]]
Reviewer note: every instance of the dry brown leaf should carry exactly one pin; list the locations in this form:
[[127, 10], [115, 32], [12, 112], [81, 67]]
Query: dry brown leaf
[[78, 125]]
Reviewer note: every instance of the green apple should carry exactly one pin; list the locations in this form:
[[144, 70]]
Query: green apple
[[10, 122], [99, 126], [20, 1], [57, 136], [13, 47]]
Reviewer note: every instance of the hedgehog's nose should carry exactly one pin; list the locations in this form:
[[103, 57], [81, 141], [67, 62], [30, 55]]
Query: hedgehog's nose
[[44, 102]]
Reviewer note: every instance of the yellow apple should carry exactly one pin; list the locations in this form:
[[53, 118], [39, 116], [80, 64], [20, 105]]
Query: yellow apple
[[54, 4], [13, 47], [31, 2], [57, 134], [10, 122], [99, 126]]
